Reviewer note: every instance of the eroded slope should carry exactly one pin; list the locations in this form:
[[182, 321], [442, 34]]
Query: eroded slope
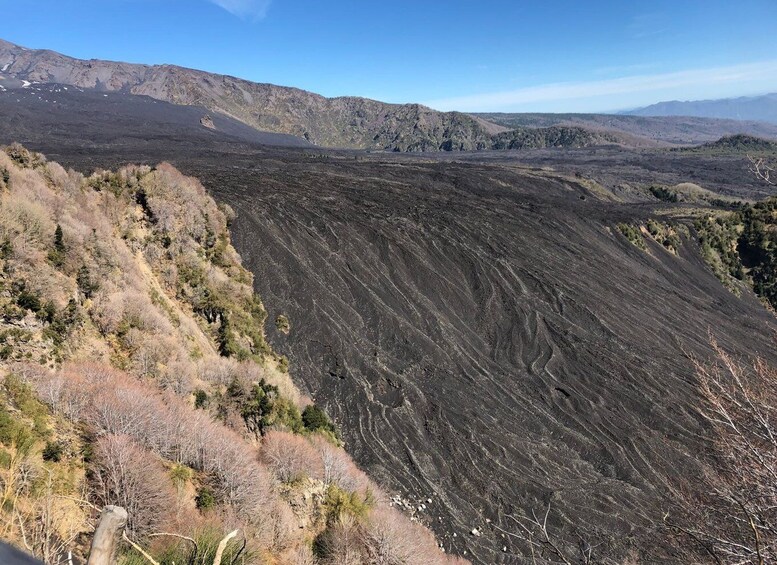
[[487, 339]]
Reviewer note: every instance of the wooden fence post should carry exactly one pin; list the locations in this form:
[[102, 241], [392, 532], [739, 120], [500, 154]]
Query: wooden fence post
[[106, 538]]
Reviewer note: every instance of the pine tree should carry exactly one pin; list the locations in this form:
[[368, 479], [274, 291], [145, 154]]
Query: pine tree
[[84, 282], [57, 255], [59, 242]]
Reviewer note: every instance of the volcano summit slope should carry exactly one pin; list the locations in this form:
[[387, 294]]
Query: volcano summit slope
[[486, 339], [482, 333]]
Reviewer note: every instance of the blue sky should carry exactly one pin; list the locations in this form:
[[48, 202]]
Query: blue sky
[[487, 55]]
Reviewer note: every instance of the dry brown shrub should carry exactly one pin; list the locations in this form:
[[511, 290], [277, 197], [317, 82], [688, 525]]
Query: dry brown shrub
[[290, 457], [302, 555], [341, 543], [115, 403], [153, 353], [217, 371], [284, 531], [389, 537], [338, 468], [141, 313], [108, 309], [26, 225], [57, 174], [179, 376], [119, 404]]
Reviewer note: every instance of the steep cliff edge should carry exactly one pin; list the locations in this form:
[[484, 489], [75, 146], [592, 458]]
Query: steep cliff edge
[[135, 371]]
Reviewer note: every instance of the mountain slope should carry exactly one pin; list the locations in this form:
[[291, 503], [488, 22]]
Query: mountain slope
[[640, 130], [345, 122], [134, 370], [73, 115], [487, 336], [484, 335], [754, 108], [333, 122], [555, 136]]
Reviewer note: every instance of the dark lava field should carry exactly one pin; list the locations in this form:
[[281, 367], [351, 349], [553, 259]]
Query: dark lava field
[[478, 329]]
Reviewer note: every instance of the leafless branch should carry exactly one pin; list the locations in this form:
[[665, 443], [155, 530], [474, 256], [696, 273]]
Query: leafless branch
[[139, 549], [761, 169], [222, 546], [535, 532], [733, 516]]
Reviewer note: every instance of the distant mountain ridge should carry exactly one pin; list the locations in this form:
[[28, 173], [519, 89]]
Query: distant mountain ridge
[[352, 122], [645, 131], [758, 108], [346, 122]]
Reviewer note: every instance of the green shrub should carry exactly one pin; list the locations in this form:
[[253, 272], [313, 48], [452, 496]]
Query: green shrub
[[282, 324], [22, 396], [205, 498], [339, 503], [227, 342], [86, 285], [25, 298], [6, 249], [743, 244], [23, 157], [314, 419], [262, 407], [53, 451], [662, 193], [200, 398], [257, 408], [180, 475], [633, 234], [15, 433], [47, 312], [286, 414], [61, 323]]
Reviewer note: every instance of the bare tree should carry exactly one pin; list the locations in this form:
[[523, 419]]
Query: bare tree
[[338, 468], [341, 543], [129, 476], [735, 520], [290, 456], [389, 538], [533, 531], [762, 169], [52, 523]]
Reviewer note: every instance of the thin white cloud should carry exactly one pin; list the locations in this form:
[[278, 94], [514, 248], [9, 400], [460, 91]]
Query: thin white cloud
[[247, 9], [622, 69], [693, 82], [644, 26]]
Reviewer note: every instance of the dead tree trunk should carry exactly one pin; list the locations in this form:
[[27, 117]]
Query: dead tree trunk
[[106, 538]]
